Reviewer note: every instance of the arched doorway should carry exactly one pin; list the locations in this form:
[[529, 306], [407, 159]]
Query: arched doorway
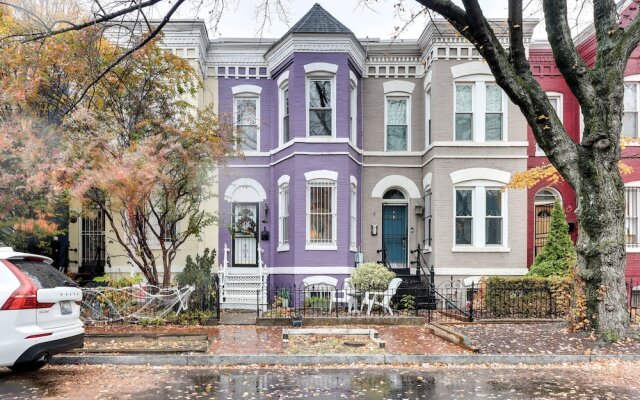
[[543, 206], [395, 228]]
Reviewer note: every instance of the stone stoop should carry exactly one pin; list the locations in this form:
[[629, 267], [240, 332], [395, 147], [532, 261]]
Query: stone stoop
[[243, 288]]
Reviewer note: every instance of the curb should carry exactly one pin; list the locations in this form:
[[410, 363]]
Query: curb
[[291, 360]]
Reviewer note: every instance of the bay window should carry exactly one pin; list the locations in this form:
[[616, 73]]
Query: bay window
[[283, 217], [320, 107]]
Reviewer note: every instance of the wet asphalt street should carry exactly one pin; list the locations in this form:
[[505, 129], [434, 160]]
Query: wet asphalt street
[[610, 380]]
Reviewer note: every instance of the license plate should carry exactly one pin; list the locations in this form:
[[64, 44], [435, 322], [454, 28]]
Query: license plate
[[65, 308]]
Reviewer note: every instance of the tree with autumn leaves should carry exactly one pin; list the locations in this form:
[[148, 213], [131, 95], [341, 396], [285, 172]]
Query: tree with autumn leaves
[[134, 146]]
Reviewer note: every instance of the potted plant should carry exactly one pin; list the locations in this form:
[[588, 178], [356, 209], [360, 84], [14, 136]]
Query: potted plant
[[284, 297]]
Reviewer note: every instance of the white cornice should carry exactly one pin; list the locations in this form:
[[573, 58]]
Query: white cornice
[[316, 43]]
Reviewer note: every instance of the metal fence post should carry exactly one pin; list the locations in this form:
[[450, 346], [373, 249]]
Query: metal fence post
[[471, 303], [257, 303]]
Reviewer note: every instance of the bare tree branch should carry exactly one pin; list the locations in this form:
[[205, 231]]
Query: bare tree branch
[[571, 65]]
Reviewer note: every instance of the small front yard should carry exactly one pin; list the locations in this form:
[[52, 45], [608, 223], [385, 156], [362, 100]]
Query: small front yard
[[541, 338]]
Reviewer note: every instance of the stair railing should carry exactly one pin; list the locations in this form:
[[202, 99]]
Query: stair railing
[[264, 272], [385, 259], [222, 273]]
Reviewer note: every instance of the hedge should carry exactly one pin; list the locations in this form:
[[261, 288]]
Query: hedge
[[526, 297]]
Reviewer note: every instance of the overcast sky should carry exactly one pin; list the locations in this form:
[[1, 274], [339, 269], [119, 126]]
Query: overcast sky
[[376, 21]]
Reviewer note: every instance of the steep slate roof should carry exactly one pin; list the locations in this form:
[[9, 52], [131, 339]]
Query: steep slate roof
[[318, 20]]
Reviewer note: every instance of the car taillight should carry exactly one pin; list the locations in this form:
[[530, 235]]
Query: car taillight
[[24, 297]]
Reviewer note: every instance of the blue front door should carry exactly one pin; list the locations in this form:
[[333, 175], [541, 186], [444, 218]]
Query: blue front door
[[394, 234]]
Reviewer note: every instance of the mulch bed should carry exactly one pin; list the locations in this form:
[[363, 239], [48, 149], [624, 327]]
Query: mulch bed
[[542, 338]]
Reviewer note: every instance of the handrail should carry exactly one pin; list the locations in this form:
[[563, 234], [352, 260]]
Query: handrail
[[385, 260], [420, 256]]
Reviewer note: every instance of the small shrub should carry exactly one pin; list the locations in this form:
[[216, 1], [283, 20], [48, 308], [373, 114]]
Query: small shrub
[[316, 302], [198, 274], [371, 276], [113, 282], [558, 257], [408, 302]]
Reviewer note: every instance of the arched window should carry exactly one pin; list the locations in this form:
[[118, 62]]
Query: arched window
[[393, 194], [543, 205]]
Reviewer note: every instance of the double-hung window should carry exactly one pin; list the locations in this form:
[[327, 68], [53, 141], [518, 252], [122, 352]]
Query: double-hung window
[[397, 123], [283, 220], [555, 98], [321, 213], [353, 220], [464, 111], [493, 217], [493, 114], [630, 115], [353, 113], [464, 216], [480, 215], [246, 117], [285, 115], [320, 107], [479, 111], [427, 219]]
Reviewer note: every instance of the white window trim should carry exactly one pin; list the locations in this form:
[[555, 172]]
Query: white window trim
[[633, 184], [560, 98], [478, 83], [478, 188], [635, 80], [248, 89], [320, 70], [386, 111], [427, 117], [353, 108], [427, 247], [283, 84], [312, 176], [283, 182], [248, 95], [353, 212], [398, 86]]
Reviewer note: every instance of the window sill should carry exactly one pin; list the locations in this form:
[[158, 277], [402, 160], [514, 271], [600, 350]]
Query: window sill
[[488, 249], [353, 249], [321, 139], [284, 247], [322, 247], [633, 249], [427, 250]]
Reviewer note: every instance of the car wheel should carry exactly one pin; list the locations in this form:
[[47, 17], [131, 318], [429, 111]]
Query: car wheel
[[28, 366]]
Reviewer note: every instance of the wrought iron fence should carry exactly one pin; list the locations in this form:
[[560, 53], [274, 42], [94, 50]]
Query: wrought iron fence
[[328, 301], [633, 297]]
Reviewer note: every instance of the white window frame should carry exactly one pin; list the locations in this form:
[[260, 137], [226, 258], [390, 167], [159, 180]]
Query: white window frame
[[633, 249], [250, 96], [478, 217], [283, 212], [321, 71], [322, 176], [427, 118], [634, 80], [428, 219], [353, 216], [353, 111], [397, 95], [560, 98], [283, 85], [479, 107]]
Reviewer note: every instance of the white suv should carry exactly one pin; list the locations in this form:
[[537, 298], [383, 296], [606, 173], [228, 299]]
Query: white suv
[[39, 311]]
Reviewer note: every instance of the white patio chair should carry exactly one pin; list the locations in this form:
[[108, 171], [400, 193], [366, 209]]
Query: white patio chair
[[347, 295], [371, 297], [324, 285]]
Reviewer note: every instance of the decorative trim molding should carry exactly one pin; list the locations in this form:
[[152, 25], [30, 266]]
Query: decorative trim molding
[[321, 174], [283, 179], [320, 67], [400, 181], [480, 271], [300, 270], [398, 86], [483, 174], [353, 180], [238, 89], [283, 78], [470, 68], [245, 190], [353, 78], [426, 181]]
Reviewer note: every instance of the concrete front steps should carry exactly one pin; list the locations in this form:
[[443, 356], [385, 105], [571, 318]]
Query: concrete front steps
[[243, 289]]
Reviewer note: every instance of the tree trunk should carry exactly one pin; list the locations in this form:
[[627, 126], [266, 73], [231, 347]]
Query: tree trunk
[[166, 270], [601, 216]]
